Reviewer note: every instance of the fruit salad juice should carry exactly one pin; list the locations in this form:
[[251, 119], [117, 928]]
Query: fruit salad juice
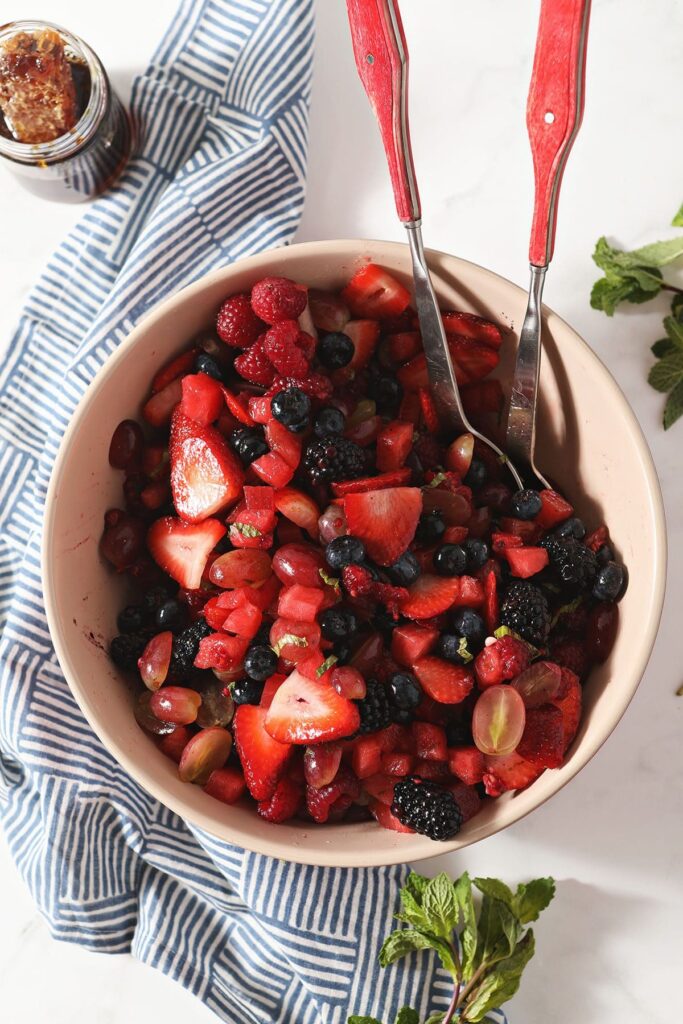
[[335, 612]]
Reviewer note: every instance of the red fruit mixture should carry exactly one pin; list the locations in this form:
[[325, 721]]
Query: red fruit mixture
[[337, 613]]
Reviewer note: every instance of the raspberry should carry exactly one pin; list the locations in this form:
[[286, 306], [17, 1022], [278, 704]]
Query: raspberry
[[237, 324], [427, 808], [316, 385], [333, 800], [505, 659], [284, 803], [289, 349], [277, 298], [254, 364], [358, 582]]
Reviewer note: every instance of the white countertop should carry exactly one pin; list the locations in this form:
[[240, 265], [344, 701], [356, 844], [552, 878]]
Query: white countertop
[[609, 948]]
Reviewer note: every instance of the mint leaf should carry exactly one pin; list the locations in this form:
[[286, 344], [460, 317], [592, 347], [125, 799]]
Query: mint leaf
[[439, 905], [407, 1015], [363, 1020], [532, 898], [496, 889], [411, 912], [657, 254], [416, 884], [502, 982], [498, 931], [663, 347], [402, 942], [468, 934], [677, 222], [435, 1018], [673, 410], [674, 329], [609, 291], [667, 372]]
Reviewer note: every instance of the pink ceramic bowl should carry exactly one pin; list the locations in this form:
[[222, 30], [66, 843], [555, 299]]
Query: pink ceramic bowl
[[589, 441]]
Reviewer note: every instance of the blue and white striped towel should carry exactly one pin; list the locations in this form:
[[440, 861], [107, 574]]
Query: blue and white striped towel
[[222, 114]]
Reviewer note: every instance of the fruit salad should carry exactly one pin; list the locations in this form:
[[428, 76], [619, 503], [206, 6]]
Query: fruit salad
[[335, 612]]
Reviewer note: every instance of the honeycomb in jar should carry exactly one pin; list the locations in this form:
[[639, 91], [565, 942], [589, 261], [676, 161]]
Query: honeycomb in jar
[[37, 92]]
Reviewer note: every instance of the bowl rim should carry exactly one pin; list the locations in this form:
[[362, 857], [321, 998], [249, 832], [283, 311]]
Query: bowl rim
[[413, 847]]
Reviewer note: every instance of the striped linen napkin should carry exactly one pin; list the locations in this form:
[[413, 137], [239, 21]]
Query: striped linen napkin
[[222, 116]]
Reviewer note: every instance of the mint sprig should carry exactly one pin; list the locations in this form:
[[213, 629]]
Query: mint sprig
[[637, 276], [484, 949]]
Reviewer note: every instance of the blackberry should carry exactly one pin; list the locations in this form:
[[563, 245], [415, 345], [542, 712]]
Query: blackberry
[[131, 619], [427, 808], [125, 650], [329, 421], [185, 647], [404, 570], [260, 662], [524, 609], [336, 350], [526, 504], [574, 563], [249, 444], [374, 708], [333, 458], [346, 550], [338, 623]]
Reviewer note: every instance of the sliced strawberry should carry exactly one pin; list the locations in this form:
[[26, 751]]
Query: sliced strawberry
[[469, 325], [429, 413], [409, 408], [304, 711], [373, 292], [181, 549], [299, 508], [158, 409], [270, 688], [404, 346], [597, 538], [484, 396], [542, 742], [570, 706], [238, 406], [259, 498], [413, 374], [467, 799], [435, 771], [221, 652], [526, 562], [386, 818], [554, 509], [394, 443], [396, 478], [206, 475], [491, 603], [506, 772], [430, 595], [430, 741], [410, 642], [273, 469], [202, 399], [442, 681], [259, 409], [500, 542], [472, 360], [384, 520], [502, 660], [329, 803], [171, 371], [264, 760], [297, 602], [467, 764], [283, 442]]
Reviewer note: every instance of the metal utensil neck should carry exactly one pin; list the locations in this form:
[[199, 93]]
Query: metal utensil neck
[[521, 430]]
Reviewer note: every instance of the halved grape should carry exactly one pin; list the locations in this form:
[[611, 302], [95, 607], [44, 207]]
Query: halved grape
[[367, 654], [154, 661], [206, 751], [455, 509], [147, 720], [498, 720], [348, 682], [175, 704], [217, 707], [459, 454], [539, 684], [332, 523], [299, 563], [321, 763], [328, 311], [365, 410], [240, 568]]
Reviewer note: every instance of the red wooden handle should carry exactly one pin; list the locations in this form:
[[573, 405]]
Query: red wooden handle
[[381, 53], [554, 110]]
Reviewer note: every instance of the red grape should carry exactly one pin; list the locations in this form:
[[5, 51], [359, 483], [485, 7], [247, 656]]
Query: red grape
[[126, 445], [206, 751], [175, 704]]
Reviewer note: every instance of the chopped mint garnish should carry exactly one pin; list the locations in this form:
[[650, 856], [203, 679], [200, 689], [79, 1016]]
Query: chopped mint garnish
[[287, 639], [326, 665], [246, 529], [331, 581]]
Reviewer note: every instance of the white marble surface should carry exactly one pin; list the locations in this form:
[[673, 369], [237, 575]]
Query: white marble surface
[[609, 949]]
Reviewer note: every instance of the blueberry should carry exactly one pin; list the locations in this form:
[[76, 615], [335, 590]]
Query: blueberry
[[154, 597], [247, 691], [343, 551], [571, 528], [476, 475], [430, 528], [468, 623], [404, 570], [249, 444], [329, 421], [260, 662], [450, 560], [291, 408], [525, 504], [205, 364], [477, 552], [454, 648], [338, 623], [169, 614], [605, 554], [387, 393], [611, 582], [336, 350], [131, 619], [405, 692]]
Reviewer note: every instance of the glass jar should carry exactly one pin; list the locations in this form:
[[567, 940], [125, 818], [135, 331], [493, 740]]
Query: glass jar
[[88, 158]]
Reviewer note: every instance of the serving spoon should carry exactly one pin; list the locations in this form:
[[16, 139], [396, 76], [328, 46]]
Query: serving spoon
[[554, 114], [381, 54]]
